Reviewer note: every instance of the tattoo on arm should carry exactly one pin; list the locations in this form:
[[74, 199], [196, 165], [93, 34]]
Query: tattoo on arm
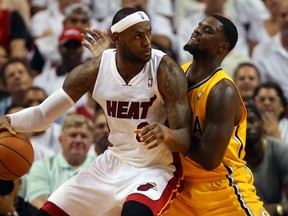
[[81, 79]]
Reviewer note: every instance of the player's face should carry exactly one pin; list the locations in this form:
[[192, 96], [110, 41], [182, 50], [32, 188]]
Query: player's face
[[254, 128], [206, 37], [76, 142], [268, 101], [136, 42], [247, 80]]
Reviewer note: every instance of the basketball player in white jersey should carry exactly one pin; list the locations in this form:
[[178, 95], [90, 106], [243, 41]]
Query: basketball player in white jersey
[[140, 89]]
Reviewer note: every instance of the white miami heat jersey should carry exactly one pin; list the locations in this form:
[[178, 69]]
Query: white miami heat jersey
[[131, 106]]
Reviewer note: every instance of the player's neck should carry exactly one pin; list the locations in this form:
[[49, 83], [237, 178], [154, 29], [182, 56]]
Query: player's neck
[[128, 70], [198, 72]]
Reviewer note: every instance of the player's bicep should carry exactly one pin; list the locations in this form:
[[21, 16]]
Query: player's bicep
[[81, 79], [222, 107], [173, 88]]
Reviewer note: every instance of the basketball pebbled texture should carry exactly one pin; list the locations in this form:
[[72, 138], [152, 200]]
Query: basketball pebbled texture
[[16, 155]]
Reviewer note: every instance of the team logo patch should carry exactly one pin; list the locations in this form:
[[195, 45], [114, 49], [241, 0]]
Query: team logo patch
[[142, 17], [147, 186], [150, 82], [199, 95]]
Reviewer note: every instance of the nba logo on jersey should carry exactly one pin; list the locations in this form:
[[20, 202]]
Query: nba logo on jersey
[[142, 17], [150, 82]]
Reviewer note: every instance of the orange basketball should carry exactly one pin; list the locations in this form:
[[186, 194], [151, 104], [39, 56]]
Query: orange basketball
[[16, 155]]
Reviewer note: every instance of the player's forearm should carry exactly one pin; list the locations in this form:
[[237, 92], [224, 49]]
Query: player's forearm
[[178, 140], [40, 117]]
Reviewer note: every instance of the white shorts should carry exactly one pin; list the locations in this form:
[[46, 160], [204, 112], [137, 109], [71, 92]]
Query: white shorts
[[103, 188]]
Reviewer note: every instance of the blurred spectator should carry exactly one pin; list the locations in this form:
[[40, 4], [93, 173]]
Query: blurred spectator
[[49, 138], [102, 9], [250, 15], [16, 78], [39, 5], [100, 130], [87, 109], [184, 8], [14, 108], [45, 176], [22, 7], [247, 78], [49, 21], [267, 159], [54, 73], [102, 145], [76, 15], [270, 100], [6, 197], [192, 21], [272, 23], [3, 56], [271, 57], [13, 33], [3, 59], [11, 203]]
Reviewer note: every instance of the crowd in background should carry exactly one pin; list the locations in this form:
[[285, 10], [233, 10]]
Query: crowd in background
[[40, 42]]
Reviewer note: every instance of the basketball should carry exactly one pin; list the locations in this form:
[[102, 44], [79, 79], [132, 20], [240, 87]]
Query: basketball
[[16, 155]]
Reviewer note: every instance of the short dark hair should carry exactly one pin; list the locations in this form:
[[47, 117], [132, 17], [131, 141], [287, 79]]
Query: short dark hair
[[229, 29], [250, 64], [12, 61], [279, 91], [122, 13]]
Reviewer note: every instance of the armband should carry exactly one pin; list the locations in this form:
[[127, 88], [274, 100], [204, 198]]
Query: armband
[[169, 138]]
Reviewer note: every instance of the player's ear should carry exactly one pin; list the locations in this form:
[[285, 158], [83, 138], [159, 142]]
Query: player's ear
[[223, 47], [116, 37]]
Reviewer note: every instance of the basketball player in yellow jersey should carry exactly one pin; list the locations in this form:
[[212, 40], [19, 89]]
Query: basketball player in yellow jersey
[[216, 180]]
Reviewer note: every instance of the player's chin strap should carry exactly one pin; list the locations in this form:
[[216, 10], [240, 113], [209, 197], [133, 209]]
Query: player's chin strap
[[40, 117]]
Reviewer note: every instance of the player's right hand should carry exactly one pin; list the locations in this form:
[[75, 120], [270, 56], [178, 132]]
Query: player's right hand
[[5, 125]]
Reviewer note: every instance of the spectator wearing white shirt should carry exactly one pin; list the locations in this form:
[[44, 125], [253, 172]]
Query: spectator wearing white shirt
[[271, 57]]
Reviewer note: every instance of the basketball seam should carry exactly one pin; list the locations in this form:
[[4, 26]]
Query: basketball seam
[[1, 144], [9, 169]]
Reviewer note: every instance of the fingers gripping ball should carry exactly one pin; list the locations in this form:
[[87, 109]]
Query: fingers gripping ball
[[16, 155]]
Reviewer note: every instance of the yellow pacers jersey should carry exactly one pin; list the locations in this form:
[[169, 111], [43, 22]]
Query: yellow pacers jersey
[[234, 155]]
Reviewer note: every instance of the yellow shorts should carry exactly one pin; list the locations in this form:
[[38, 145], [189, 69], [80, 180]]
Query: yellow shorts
[[233, 196]]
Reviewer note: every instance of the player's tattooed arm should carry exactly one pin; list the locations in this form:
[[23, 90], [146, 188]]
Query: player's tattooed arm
[[173, 88], [81, 79]]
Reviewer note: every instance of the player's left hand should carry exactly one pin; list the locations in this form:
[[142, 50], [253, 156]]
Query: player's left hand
[[96, 41], [153, 134]]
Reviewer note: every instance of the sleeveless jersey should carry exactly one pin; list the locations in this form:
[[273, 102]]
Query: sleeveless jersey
[[131, 106], [235, 152]]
